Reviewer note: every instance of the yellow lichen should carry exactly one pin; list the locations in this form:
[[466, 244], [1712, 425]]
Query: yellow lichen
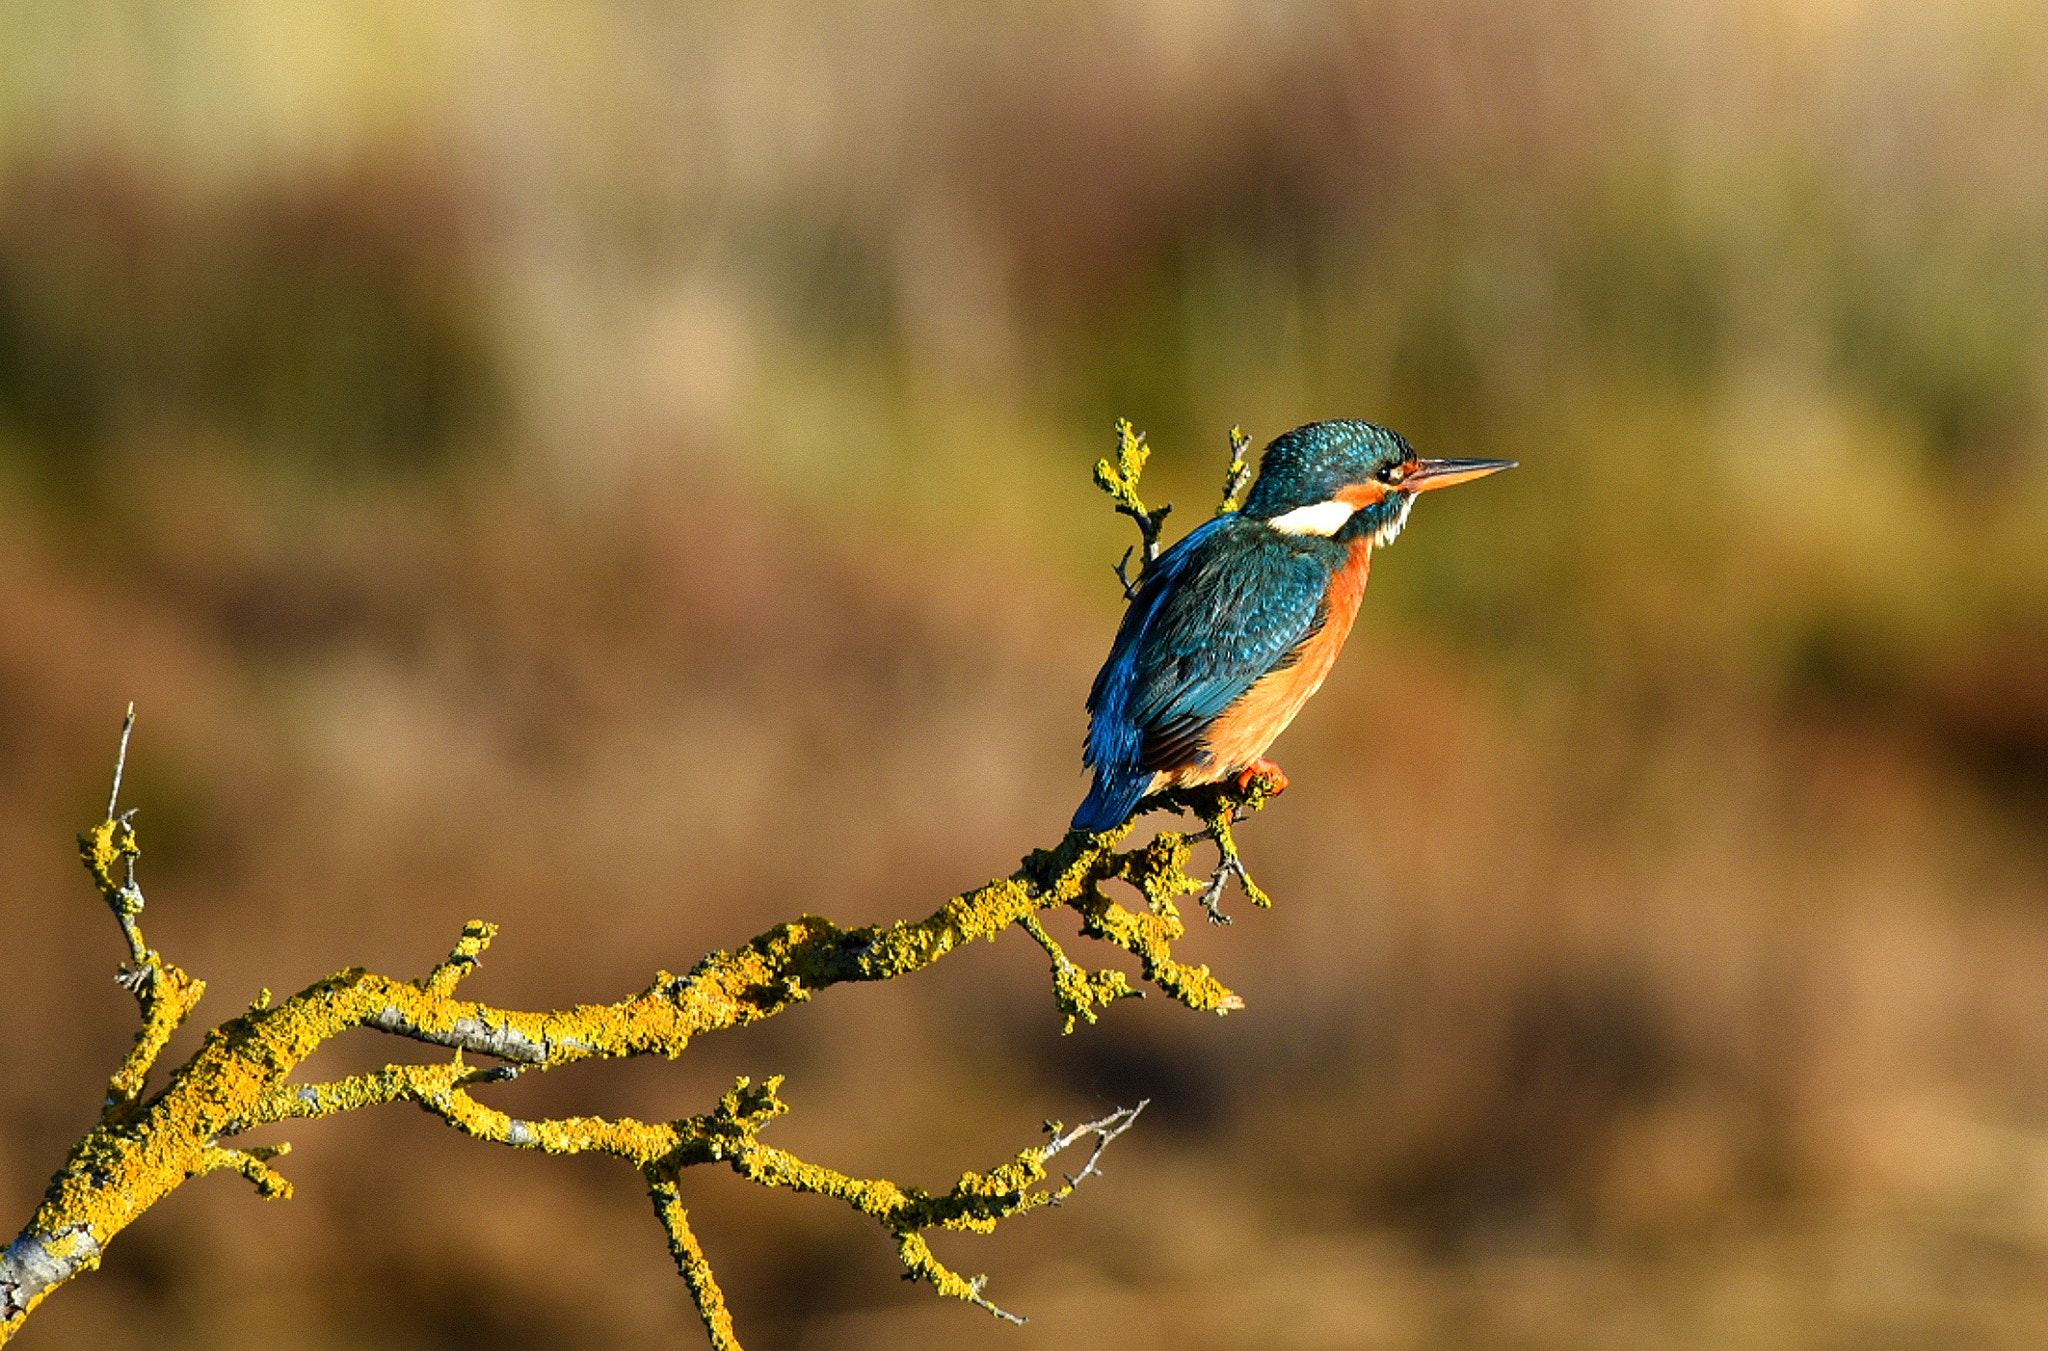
[[1237, 476], [240, 1077], [144, 1147]]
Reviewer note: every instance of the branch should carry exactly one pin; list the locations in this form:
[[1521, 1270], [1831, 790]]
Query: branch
[[144, 1147], [977, 1202], [1238, 475], [164, 993], [691, 1263], [1075, 990], [1121, 483]]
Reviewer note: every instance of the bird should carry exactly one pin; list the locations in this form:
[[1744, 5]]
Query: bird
[[1233, 628]]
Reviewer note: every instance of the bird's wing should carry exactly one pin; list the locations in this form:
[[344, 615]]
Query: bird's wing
[[1226, 605]]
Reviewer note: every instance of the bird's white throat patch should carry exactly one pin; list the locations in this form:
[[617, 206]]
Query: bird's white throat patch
[[1389, 532], [1317, 518]]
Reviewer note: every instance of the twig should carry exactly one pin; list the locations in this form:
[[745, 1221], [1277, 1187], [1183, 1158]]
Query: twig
[[465, 958], [114, 843], [164, 994], [1120, 481], [1105, 1130], [691, 1264], [252, 1163], [1122, 568], [1219, 815], [1075, 989], [1238, 476], [121, 760]]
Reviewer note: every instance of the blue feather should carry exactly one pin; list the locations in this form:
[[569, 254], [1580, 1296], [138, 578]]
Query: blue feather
[[1220, 609], [1111, 801]]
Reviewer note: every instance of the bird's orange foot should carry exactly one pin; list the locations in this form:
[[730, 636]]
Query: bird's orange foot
[[1263, 774]]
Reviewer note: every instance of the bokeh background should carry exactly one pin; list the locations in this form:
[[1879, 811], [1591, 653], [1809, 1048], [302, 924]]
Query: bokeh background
[[621, 470]]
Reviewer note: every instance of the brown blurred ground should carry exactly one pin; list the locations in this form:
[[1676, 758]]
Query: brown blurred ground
[[621, 472]]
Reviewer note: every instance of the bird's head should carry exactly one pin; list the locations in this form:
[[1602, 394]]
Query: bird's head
[[1349, 480]]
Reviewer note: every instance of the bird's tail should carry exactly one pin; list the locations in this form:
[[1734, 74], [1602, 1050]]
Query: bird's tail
[[1112, 800]]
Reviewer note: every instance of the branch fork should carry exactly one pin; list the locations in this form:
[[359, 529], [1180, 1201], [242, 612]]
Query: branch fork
[[145, 1144]]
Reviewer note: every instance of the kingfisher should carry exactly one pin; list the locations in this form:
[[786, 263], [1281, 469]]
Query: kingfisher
[[1233, 628]]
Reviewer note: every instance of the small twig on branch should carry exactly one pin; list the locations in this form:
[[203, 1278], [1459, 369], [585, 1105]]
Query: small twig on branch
[[121, 761], [165, 995], [254, 1164], [1104, 1131], [1238, 476], [465, 958], [114, 843], [1076, 990], [1229, 863], [691, 1264], [1120, 481]]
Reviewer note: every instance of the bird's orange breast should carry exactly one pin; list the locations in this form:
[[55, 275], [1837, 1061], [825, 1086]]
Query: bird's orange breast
[[1244, 730]]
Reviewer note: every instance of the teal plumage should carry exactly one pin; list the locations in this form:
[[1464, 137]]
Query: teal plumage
[[1213, 614], [1238, 601]]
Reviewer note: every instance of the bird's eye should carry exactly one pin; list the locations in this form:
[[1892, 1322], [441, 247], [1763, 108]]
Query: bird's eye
[[1391, 473]]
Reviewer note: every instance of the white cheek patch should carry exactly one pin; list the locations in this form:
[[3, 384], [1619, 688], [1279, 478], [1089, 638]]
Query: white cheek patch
[[1318, 518]]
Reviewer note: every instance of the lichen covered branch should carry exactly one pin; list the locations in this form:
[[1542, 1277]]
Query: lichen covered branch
[[1120, 481], [145, 1146], [729, 1134], [1075, 989], [240, 1078], [691, 1264], [165, 995], [1237, 475]]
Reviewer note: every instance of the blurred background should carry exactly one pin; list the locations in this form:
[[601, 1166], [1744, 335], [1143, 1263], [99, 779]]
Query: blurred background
[[621, 470]]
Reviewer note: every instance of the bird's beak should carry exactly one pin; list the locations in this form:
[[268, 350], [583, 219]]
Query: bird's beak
[[1429, 475]]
